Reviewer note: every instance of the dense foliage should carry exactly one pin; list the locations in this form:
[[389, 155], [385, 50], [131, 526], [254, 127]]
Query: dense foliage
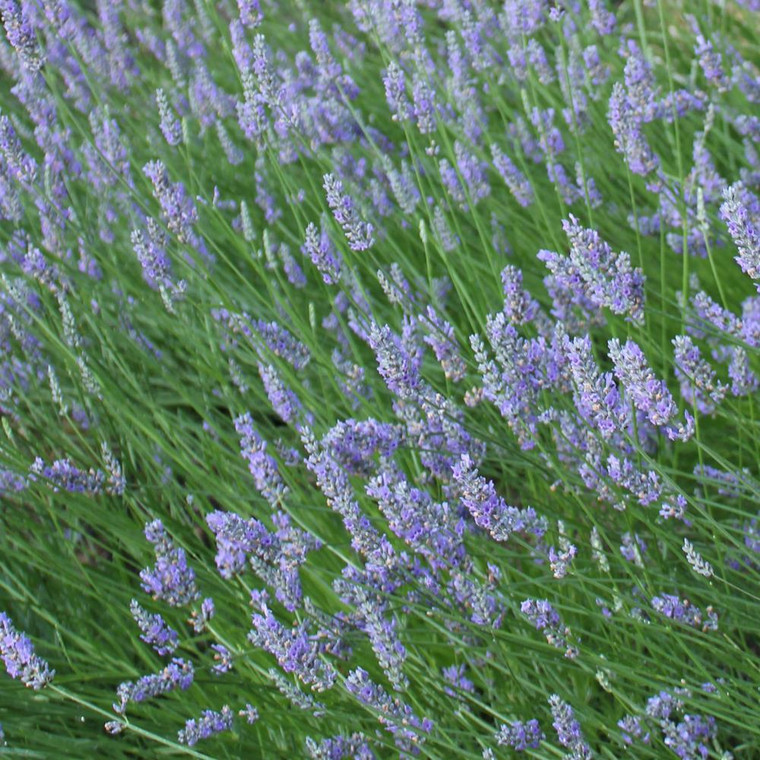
[[378, 378]]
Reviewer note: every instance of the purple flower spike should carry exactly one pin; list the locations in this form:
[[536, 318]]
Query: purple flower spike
[[17, 653], [593, 270], [569, 730], [209, 724], [170, 579], [358, 232], [520, 736], [647, 394], [741, 212]]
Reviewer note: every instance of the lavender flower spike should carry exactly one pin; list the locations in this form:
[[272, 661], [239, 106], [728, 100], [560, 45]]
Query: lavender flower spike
[[170, 579], [154, 630], [17, 653], [569, 730], [741, 212], [520, 736], [358, 232], [20, 33], [207, 725], [603, 276], [648, 394]]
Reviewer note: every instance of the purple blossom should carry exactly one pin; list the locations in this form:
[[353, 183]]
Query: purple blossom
[[362, 589], [275, 557], [455, 675], [169, 123], [514, 179], [625, 120], [17, 653], [320, 249], [154, 630], [284, 402], [178, 674], [355, 443], [63, 474], [18, 163], [633, 548], [295, 650], [647, 394], [596, 396], [222, 659], [520, 736], [170, 579], [178, 208], [395, 92], [250, 12], [209, 724], [592, 268], [398, 359], [741, 212], [488, 509], [353, 747], [199, 617], [430, 528], [568, 729], [262, 465], [601, 19], [334, 482], [543, 617], [711, 63], [20, 33], [683, 611], [425, 107], [699, 385], [358, 232], [519, 306], [397, 717]]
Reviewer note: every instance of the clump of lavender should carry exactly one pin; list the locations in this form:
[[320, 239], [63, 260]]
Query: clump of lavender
[[20, 33], [17, 653], [295, 649], [64, 474], [323, 254]]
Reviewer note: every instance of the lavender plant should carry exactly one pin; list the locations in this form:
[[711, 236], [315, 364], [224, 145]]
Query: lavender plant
[[378, 379]]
